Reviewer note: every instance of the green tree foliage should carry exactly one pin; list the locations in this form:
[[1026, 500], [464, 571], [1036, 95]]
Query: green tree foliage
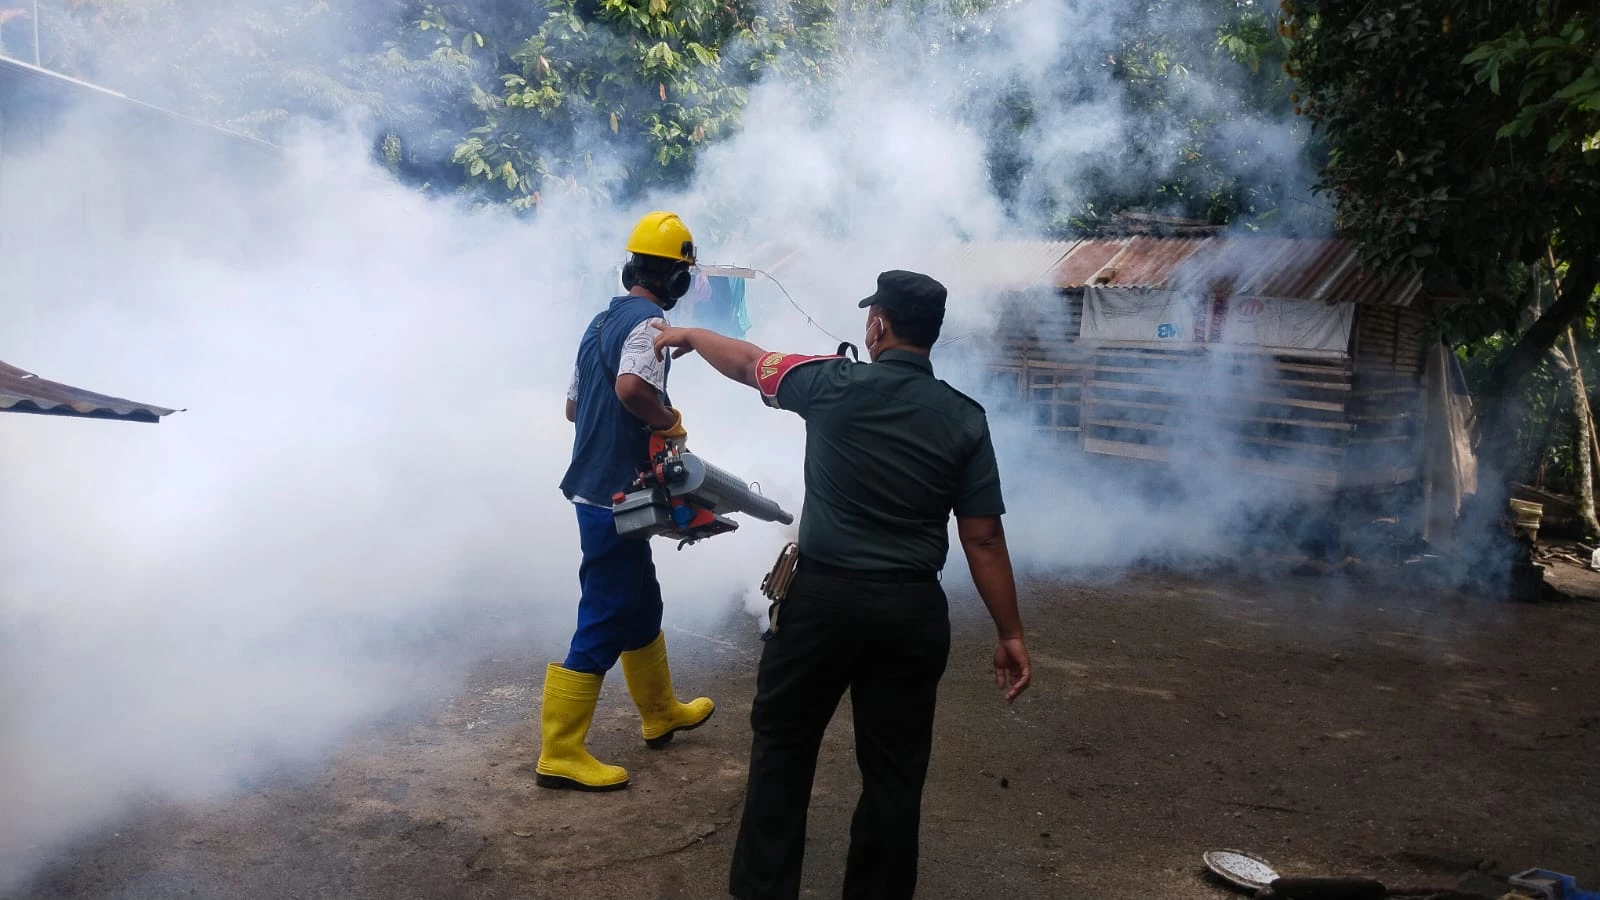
[[1462, 143], [510, 99], [1204, 109], [613, 97], [1218, 75], [1539, 428], [1432, 163]]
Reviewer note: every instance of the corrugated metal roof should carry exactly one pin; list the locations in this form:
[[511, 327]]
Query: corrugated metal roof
[[1246, 266], [1271, 268], [1086, 258], [24, 392]]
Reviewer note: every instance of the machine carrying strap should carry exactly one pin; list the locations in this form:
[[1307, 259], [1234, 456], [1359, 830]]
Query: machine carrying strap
[[600, 348], [775, 586]]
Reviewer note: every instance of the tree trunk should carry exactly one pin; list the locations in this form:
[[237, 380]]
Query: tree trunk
[[1491, 559], [1584, 440], [1501, 400]]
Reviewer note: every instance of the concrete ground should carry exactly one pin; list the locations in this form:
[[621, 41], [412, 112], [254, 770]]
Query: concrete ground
[[1332, 725]]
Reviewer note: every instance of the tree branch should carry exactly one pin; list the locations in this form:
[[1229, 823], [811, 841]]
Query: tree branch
[[1510, 369]]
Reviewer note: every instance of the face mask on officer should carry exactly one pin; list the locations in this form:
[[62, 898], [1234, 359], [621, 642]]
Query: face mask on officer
[[877, 329]]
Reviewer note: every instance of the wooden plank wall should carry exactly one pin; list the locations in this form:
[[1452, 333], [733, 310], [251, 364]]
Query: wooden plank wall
[[1044, 371], [1272, 415], [1387, 404], [1269, 415], [1318, 421]]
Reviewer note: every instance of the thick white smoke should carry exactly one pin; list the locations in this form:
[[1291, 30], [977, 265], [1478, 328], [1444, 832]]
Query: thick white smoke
[[361, 496]]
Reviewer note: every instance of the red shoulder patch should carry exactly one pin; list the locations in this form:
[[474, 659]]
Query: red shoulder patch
[[772, 367]]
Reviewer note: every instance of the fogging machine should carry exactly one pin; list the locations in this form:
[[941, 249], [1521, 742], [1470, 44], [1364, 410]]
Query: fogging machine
[[680, 496]]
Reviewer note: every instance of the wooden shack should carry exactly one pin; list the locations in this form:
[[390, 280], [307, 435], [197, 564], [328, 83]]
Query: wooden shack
[[1277, 358]]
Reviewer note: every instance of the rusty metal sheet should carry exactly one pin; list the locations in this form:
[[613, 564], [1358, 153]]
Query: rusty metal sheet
[[1152, 262], [1086, 259], [1127, 262], [1270, 268], [23, 392]]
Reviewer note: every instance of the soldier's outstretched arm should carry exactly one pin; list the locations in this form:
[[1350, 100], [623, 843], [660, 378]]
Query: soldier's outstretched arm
[[732, 357]]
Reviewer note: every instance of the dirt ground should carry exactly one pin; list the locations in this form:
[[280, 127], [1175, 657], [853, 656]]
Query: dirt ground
[[1333, 725]]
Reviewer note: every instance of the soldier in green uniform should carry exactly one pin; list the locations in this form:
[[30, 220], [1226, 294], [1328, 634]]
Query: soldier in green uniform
[[891, 452]]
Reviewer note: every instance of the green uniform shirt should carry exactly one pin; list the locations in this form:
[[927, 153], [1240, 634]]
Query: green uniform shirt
[[890, 452]]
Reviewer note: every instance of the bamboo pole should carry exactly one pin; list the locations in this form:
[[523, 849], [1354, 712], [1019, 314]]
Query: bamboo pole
[[1583, 392], [1585, 411], [1584, 434]]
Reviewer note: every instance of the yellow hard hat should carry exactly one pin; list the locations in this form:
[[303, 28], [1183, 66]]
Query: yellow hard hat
[[662, 234]]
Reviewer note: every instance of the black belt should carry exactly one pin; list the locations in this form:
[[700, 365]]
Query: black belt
[[888, 576]]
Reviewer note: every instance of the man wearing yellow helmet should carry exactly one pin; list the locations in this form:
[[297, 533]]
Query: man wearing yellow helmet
[[618, 399]]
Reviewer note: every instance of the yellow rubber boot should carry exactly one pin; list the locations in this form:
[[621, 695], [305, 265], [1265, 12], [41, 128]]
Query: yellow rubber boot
[[650, 683], [564, 763]]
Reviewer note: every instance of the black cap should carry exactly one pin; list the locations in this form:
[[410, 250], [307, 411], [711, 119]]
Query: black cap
[[907, 291]]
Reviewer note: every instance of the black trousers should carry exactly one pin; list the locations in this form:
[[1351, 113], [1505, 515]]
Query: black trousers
[[888, 643]]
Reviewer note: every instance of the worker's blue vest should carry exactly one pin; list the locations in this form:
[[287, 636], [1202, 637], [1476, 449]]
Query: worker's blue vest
[[611, 444]]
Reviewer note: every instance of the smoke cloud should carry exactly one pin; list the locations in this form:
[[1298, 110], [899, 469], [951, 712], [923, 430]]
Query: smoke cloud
[[360, 498]]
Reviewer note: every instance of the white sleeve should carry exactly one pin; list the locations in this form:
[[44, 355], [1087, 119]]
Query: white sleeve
[[572, 386], [639, 357]]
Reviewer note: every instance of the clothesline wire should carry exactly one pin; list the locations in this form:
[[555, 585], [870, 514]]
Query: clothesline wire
[[813, 322], [798, 308]]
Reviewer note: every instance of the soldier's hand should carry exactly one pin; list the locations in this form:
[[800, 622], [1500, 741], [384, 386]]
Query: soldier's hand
[[677, 338], [1012, 672]]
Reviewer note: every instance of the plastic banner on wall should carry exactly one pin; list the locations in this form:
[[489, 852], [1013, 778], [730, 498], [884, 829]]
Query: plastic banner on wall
[[1290, 324], [1137, 314], [1148, 315]]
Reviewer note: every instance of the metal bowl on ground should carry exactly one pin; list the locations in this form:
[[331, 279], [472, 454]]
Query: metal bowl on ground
[[1245, 871]]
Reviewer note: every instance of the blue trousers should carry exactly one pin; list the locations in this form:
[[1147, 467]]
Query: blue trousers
[[621, 604]]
